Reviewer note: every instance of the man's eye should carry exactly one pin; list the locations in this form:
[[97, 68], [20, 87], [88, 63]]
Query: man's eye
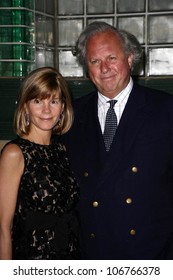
[[96, 61], [112, 58]]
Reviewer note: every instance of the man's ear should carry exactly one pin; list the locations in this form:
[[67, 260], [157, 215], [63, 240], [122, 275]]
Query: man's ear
[[130, 60]]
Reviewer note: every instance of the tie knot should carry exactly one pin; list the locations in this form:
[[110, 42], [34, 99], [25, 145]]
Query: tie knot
[[112, 103]]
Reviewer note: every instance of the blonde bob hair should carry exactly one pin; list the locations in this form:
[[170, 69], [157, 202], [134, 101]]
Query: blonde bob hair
[[42, 83]]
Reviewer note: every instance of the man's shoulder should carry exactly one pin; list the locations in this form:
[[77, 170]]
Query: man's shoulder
[[85, 100], [153, 93], [86, 97]]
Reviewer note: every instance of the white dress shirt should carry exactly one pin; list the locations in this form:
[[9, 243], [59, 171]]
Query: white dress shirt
[[121, 98]]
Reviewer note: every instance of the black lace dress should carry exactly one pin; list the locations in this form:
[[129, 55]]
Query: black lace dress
[[45, 224]]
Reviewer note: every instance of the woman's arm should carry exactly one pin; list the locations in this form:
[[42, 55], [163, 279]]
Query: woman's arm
[[11, 170]]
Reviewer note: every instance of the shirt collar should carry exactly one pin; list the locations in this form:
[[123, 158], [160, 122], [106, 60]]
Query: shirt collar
[[102, 100]]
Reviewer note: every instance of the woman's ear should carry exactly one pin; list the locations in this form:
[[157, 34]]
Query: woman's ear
[[25, 108]]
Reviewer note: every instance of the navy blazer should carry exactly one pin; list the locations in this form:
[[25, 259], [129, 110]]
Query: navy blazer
[[126, 195]]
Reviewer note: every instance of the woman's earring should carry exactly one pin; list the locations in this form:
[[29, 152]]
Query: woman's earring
[[58, 122], [60, 119], [27, 120]]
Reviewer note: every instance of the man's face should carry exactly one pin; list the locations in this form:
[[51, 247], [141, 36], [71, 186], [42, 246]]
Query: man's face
[[108, 65]]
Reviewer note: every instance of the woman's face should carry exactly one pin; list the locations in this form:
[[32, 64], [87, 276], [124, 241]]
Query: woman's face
[[44, 113]]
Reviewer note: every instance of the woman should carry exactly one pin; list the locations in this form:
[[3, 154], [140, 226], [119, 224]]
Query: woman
[[38, 191]]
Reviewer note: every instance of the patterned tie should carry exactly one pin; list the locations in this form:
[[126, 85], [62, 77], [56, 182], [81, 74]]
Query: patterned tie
[[110, 125]]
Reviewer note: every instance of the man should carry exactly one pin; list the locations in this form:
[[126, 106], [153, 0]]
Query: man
[[126, 189]]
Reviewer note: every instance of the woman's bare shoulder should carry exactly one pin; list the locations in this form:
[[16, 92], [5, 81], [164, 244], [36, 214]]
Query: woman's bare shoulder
[[11, 151]]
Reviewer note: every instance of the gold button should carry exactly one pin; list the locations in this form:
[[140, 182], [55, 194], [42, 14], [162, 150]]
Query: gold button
[[134, 169], [92, 235], [86, 174], [132, 231], [95, 204], [128, 200]]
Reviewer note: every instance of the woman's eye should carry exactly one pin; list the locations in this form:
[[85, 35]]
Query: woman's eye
[[37, 101], [55, 101]]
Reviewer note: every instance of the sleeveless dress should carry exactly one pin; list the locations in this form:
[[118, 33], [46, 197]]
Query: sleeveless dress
[[45, 224]]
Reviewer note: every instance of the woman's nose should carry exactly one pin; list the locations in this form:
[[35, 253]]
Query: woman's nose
[[46, 107]]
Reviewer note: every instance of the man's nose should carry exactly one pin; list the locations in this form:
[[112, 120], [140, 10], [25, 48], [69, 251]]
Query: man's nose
[[104, 66]]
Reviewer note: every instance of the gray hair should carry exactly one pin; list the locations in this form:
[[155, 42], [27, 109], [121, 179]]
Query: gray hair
[[129, 42]]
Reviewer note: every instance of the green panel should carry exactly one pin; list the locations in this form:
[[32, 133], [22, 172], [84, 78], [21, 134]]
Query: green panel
[[165, 84], [79, 88], [8, 96], [9, 90], [82, 87]]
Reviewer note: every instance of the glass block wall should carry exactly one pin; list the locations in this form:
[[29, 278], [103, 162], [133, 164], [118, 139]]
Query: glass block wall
[[17, 40], [45, 32], [35, 33], [150, 21]]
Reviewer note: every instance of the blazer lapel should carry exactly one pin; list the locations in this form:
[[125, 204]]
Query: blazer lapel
[[131, 121]]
